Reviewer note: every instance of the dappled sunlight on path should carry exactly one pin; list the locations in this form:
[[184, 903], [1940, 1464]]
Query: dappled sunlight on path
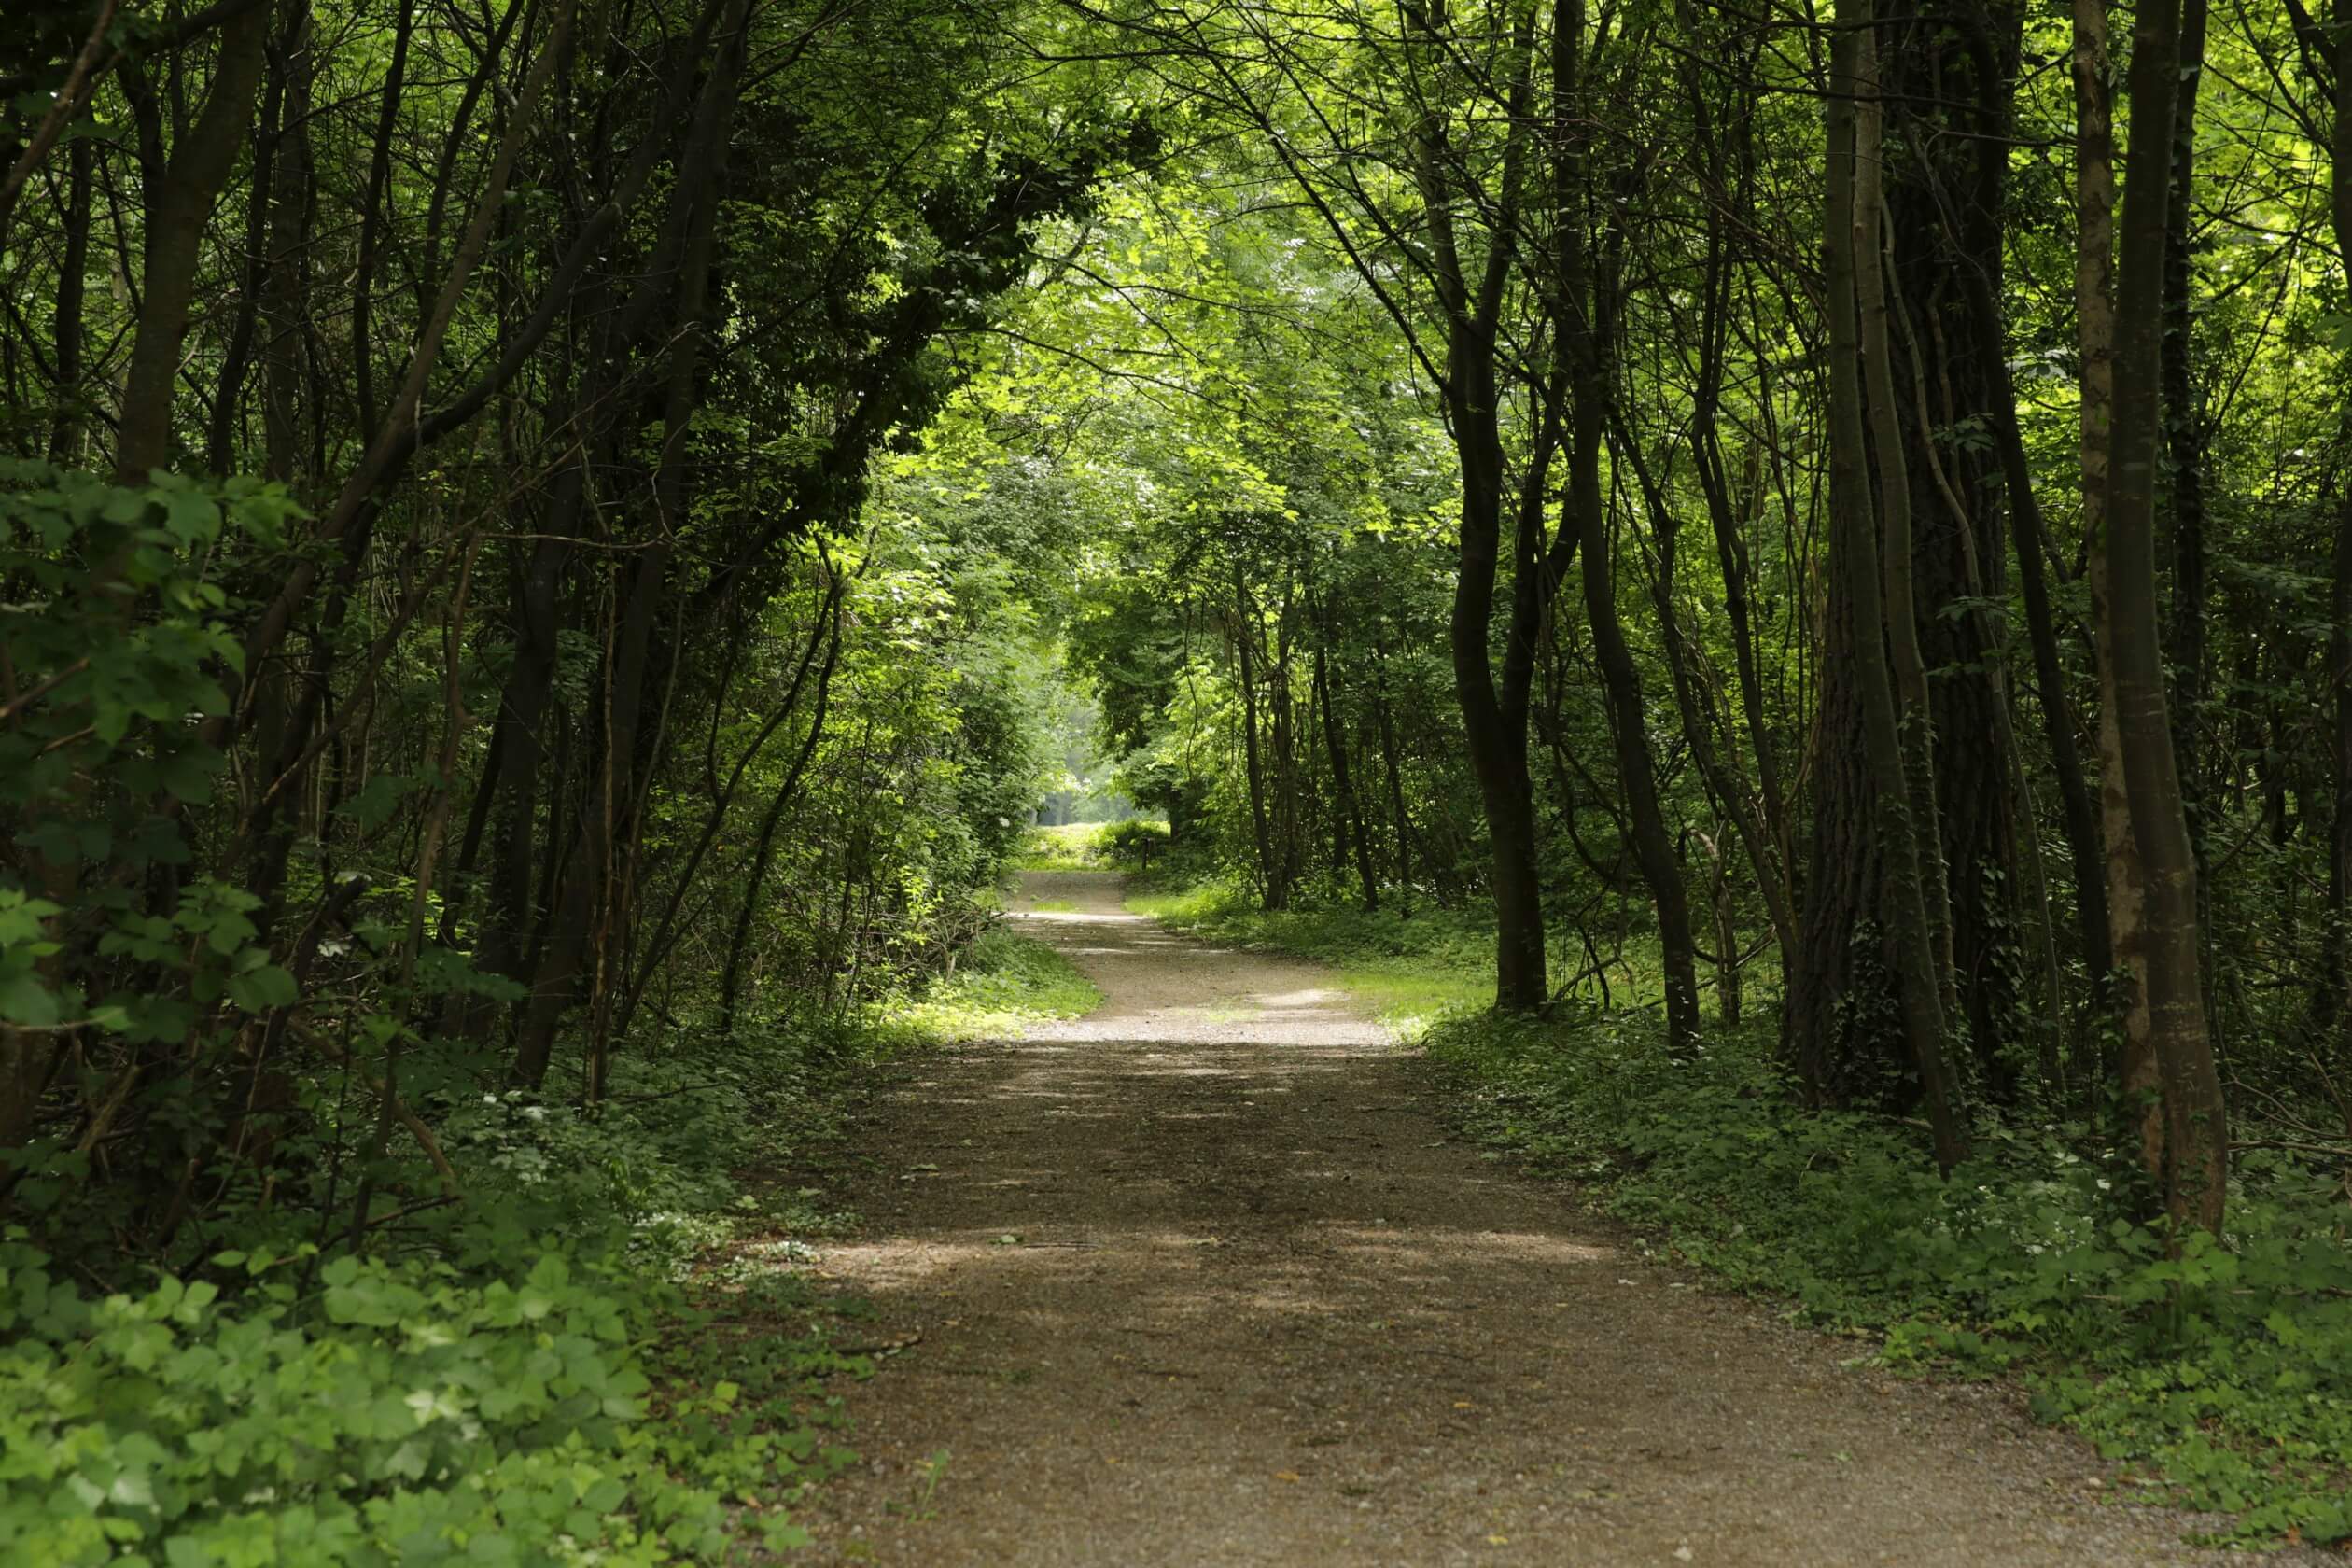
[[1199, 1280]]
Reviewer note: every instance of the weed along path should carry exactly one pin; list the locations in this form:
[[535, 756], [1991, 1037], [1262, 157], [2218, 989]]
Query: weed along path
[[1197, 1280]]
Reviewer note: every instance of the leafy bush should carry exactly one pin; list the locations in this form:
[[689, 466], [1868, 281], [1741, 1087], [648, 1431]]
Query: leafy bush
[[1134, 844], [369, 1411]]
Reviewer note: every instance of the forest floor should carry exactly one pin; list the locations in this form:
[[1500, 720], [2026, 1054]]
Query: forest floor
[[1198, 1278]]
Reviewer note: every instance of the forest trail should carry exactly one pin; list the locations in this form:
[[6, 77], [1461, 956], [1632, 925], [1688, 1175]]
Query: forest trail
[[1199, 1280]]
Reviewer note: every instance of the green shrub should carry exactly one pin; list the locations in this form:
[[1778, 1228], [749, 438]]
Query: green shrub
[[369, 1411], [1134, 844]]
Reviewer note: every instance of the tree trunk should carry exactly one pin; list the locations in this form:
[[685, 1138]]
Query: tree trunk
[[2196, 1142], [1947, 80], [66, 423], [1272, 894], [1915, 716], [2135, 1072], [1389, 766], [1496, 740], [178, 210], [1853, 223], [2334, 1003], [1348, 813]]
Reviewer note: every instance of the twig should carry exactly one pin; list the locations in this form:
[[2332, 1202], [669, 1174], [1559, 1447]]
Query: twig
[[408, 1118], [42, 689], [62, 108]]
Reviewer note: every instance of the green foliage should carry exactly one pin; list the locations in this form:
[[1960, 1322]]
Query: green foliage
[[1408, 970], [2224, 1371], [1010, 982], [121, 602], [1066, 846], [1129, 844], [369, 1411]]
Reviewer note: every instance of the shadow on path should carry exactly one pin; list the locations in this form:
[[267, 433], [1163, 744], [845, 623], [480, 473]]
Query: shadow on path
[[1200, 1282]]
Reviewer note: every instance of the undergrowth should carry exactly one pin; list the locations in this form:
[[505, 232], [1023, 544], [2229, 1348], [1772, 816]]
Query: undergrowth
[[491, 1383], [1011, 982], [1133, 845], [594, 1348], [2221, 1376], [1408, 970]]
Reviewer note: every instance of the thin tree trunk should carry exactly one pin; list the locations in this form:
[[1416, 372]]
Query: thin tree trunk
[[1348, 810], [66, 422], [2136, 1071], [764, 851], [1389, 766], [1587, 329], [2196, 1142], [2028, 536], [2184, 435], [1698, 715], [2335, 1001], [1271, 892]]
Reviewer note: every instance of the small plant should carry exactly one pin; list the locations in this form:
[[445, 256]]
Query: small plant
[[927, 1476]]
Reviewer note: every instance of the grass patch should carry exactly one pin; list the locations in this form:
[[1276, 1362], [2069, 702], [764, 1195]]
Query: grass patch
[[1069, 846], [1407, 972], [1129, 845], [1010, 982]]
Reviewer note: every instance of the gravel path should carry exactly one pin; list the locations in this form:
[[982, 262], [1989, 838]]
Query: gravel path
[[1198, 1280]]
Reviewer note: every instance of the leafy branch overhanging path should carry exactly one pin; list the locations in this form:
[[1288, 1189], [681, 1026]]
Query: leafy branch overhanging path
[[1199, 1279]]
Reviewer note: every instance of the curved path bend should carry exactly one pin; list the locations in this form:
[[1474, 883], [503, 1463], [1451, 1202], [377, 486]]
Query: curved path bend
[[1198, 1280]]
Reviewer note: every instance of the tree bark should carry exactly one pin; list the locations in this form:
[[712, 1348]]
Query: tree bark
[[2136, 1072], [1915, 715], [1853, 224], [2333, 1003], [2196, 1142], [1349, 811], [66, 423], [177, 209]]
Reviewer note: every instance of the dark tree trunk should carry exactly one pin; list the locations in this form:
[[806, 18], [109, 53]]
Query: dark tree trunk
[[1272, 891], [2196, 1141], [1348, 813], [1621, 690], [1389, 766], [1854, 231], [1949, 74], [64, 447], [2334, 1002], [180, 201]]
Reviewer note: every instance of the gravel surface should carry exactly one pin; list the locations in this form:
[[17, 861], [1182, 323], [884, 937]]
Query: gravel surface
[[1198, 1280]]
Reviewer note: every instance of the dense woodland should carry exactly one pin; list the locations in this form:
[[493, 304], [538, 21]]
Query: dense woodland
[[550, 550]]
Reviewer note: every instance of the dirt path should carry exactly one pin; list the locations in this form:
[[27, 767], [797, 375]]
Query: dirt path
[[1199, 1281]]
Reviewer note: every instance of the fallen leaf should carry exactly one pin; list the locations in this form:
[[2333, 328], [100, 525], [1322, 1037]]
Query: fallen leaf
[[1291, 1476], [1464, 1405], [1498, 1540]]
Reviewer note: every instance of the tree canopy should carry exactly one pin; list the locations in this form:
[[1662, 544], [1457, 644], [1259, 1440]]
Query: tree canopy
[[553, 553]]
